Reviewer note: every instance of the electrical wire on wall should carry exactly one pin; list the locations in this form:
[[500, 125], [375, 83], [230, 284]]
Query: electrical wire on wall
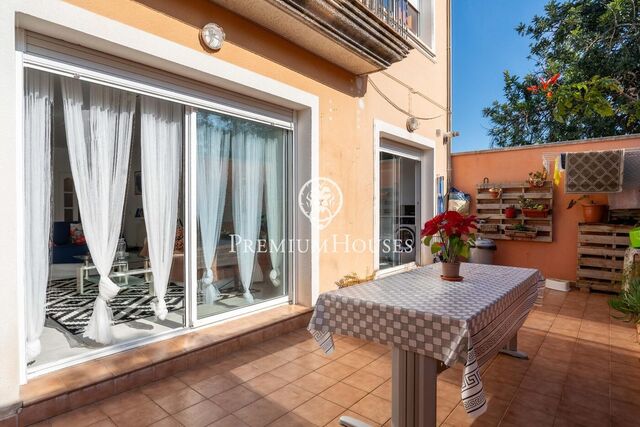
[[396, 106]]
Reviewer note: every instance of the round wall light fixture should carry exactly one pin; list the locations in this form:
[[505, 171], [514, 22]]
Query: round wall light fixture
[[412, 124], [212, 36]]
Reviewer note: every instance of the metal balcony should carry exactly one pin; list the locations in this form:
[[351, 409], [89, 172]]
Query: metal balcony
[[361, 36]]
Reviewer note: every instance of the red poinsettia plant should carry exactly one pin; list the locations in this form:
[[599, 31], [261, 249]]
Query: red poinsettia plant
[[450, 234]]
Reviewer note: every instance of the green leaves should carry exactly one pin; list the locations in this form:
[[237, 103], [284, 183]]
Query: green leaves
[[594, 45]]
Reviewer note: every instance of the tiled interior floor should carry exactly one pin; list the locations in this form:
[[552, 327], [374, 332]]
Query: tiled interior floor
[[584, 369]]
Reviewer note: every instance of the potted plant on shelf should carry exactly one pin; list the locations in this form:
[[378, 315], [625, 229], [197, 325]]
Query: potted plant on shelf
[[532, 209], [450, 236], [510, 212], [521, 231], [628, 303], [592, 211], [537, 178]]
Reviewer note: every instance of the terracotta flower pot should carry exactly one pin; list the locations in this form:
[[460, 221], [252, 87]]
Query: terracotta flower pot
[[450, 270], [594, 213], [510, 212]]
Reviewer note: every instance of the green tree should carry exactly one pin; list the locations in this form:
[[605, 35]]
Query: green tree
[[595, 47]]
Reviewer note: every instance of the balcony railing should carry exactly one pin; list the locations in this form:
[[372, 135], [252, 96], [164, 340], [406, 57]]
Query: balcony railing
[[394, 13], [362, 36]]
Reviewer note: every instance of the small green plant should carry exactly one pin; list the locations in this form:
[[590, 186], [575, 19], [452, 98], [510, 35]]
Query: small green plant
[[537, 178], [521, 227], [530, 204], [628, 302]]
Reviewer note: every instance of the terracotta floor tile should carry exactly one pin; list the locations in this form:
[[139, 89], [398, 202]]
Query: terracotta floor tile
[[355, 360], [290, 396], [364, 381], [228, 421], [157, 389], [593, 384], [541, 385], [166, 422], [581, 416], [260, 413], [315, 382], [625, 412], [531, 400], [311, 361], [584, 396], [380, 367], [290, 420], [245, 372], [122, 402], [176, 401], [195, 375], [218, 384], [384, 390], [526, 417], [235, 398], [200, 414], [265, 384], [336, 370], [108, 423], [495, 411], [336, 421], [318, 411], [84, 416], [144, 414], [345, 395], [374, 407], [269, 362], [290, 371]]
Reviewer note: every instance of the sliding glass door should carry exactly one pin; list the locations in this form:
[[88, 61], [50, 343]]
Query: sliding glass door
[[146, 214], [399, 208], [241, 169]]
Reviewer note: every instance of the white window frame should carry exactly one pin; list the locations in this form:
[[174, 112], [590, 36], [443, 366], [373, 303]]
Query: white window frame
[[64, 21], [417, 147], [426, 23]]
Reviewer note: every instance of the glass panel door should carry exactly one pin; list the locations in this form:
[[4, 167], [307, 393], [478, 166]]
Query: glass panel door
[[399, 209], [241, 207]]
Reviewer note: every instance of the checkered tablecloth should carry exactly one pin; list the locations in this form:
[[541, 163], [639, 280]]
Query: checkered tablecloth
[[468, 321]]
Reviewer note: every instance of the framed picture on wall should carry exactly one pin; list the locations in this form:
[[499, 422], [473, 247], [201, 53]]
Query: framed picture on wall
[[137, 183]]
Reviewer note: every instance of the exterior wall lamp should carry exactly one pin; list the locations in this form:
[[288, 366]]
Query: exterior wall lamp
[[212, 36]]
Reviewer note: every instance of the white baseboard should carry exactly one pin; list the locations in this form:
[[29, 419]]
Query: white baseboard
[[558, 285]]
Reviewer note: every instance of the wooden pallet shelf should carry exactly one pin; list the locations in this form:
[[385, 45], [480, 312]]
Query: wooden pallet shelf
[[491, 210], [601, 249]]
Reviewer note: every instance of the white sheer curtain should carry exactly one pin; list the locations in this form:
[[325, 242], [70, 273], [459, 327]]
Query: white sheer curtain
[[38, 99], [213, 140], [161, 147], [274, 203], [99, 156], [248, 181]]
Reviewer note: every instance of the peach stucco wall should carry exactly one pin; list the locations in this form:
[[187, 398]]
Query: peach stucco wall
[[557, 259], [346, 114]]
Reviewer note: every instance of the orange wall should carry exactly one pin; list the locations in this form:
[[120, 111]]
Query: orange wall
[[346, 115], [557, 259]]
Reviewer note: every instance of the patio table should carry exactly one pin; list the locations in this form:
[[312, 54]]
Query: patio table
[[425, 320]]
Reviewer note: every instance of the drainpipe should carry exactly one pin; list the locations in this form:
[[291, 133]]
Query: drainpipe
[[449, 139]]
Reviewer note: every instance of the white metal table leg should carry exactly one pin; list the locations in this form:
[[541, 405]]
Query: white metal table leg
[[414, 387], [511, 349]]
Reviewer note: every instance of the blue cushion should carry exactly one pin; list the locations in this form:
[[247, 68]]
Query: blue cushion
[[61, 233]]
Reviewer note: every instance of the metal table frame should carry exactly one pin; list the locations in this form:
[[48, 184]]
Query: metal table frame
[[414, 383]]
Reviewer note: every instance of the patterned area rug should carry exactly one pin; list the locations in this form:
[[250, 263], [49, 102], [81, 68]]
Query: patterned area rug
[[72, 310]]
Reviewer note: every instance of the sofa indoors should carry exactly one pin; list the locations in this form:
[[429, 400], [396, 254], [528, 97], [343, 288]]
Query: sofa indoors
[[63, 250]]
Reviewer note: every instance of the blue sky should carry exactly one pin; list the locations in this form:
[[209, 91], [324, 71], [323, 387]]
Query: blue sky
[[485, 44]]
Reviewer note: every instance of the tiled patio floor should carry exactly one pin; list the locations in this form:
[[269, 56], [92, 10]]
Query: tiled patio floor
[[584, 369]]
